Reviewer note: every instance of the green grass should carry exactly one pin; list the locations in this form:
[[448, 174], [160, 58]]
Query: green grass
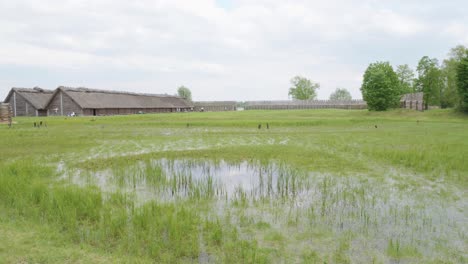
[[330, 178]]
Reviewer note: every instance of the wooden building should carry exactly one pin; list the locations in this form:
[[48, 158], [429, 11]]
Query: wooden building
[[215, 106], [93, 102], [28, 102], [413, 101]]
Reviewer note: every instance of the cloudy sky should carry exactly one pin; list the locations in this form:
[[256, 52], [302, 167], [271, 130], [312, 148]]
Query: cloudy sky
[[220, 49]]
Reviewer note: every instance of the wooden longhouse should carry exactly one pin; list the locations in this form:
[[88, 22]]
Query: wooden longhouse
[[93, 102], [29, 102]]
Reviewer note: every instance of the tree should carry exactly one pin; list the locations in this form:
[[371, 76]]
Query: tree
[[303, 88], [185, 93], [462, 83], [406, 78], [429, 80], [340, 94], [380, 87], [458, 53], [449, 94]]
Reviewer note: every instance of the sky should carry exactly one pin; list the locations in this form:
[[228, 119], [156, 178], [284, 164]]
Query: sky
[[219, 49]]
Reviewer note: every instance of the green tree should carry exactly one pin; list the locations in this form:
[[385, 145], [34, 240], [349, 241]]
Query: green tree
[[303, 88], [429, 80], [462, 83], [185, 93], [380, 87], [458, 53], [449, 94], [340, 94], [406, 77]]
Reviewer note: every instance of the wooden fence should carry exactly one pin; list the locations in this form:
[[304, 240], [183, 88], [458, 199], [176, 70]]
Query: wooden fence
[[306, 104], [215, 106]]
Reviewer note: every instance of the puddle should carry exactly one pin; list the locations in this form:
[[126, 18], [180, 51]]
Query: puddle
[[185, 179], [278, 195]]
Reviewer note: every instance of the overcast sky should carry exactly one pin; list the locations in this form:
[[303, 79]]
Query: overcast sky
[[220, 49]]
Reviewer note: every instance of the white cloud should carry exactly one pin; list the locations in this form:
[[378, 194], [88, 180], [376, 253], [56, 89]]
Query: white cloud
[[393, 23], [247, 51], [458, 31]]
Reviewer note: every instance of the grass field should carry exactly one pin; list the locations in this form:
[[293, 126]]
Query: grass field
[[318, 186]]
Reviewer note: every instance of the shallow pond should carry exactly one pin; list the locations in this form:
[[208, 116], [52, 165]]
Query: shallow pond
[[390, 219], [179, 179]]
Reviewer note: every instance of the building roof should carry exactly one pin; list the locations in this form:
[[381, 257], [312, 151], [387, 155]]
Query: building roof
[[104, 99], [37, 97]]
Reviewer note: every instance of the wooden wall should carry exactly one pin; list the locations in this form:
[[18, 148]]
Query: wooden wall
[[413, 101], [64, 105], [20, 106], [315, 104], [128, 111], [214, 106]]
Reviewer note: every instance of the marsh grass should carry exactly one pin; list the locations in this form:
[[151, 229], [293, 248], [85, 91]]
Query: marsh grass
[[163, 232]]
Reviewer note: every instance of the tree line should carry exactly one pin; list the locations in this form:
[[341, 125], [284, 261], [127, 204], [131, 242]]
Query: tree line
[[443, 84]]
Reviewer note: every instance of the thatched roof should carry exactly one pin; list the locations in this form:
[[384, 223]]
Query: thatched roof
[[104, 99], [37, 97]]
